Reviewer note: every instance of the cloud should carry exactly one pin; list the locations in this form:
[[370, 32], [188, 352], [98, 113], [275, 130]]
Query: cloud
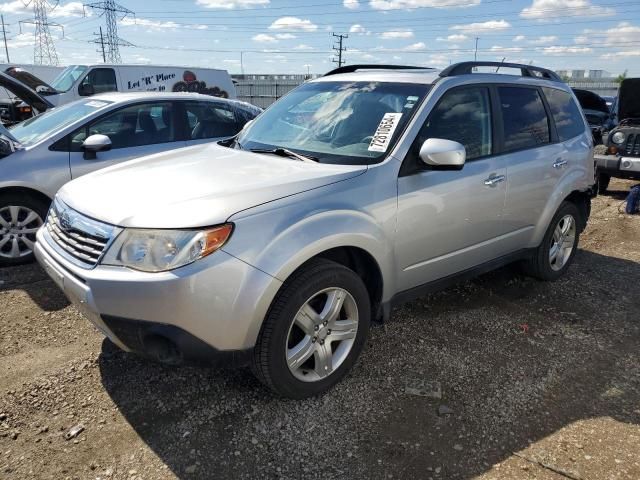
[[544, 40], [563, 50], [625, 54], [293, 23], [144, 22], [231, 61], [408, 4], [500, 49], [456, 37], [519, 38], [357, 28], [415, 46], [351, 4], [393, 34], [285, 36], [231, 4], [264, 38], [550, 9], [70, 9], [13, 7], [302, 46], [482, 26]]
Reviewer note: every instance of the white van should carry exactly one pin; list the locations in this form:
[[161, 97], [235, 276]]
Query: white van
[[77, 81]]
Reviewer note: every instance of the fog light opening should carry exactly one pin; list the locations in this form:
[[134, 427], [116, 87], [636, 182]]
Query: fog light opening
[[162, 349]]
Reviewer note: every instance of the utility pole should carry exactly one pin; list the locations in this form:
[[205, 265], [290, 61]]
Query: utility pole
[[4, 35], [100, 40], [475, 55], [44, 52], [339, 48], [111, 10]]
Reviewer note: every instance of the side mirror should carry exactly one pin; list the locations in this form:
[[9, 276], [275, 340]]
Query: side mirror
[[443, 154], [94, 144], [86, 90]]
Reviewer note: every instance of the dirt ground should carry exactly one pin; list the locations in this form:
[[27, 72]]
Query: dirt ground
[[518, 379]]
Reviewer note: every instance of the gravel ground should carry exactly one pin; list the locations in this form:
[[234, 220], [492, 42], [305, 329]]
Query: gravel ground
[[503, 377]]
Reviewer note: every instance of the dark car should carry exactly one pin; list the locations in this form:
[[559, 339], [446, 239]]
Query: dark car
[[620, 155], [598, 113], [24, 101]]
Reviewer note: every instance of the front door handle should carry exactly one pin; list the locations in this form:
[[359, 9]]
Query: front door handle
[[494, 180], [559, 163]]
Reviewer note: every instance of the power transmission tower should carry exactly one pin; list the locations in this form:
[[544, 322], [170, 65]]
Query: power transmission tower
[[4, 35], [339, 48], [44, 52], [111, 11]]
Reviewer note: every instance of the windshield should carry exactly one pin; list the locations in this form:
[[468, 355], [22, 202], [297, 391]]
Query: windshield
[[38, 128], [353, 123], [68, 77]]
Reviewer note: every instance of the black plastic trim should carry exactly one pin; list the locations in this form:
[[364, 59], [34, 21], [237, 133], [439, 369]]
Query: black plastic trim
[[368, 66], [465, 68]]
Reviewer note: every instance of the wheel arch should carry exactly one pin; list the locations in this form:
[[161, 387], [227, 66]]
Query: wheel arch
[[28, 191]]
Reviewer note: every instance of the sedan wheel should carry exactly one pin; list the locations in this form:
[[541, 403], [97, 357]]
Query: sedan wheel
[[564, 237], [18, 227], [322, 334]]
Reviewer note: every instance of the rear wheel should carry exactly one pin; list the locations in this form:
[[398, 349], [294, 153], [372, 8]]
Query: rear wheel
[[554, 255], [20, 218], [314, 330]]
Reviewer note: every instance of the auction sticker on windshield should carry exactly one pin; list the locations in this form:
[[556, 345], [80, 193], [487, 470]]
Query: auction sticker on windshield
[[384, 132]]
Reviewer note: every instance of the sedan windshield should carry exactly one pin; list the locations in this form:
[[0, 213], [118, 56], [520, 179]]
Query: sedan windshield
[[353, 123], [39, 128], [68, 77]]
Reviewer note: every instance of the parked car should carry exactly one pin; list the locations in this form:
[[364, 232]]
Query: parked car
[[597, 112], [20, 102], [355, 192], [620, 155], [39, 155], [78, 81]]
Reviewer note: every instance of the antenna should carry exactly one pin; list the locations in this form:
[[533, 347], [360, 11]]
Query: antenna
[[339, 48], [111, 10], [44, 52]]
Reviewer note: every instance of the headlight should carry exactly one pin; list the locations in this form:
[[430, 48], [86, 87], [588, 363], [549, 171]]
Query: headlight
[[618, 138], [161, 250]]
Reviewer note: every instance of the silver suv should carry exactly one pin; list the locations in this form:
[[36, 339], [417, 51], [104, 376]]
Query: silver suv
[[356, 192]]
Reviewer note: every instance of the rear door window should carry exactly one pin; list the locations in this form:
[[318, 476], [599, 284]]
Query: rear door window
[[565, 112], [524, 118], [211, 120]]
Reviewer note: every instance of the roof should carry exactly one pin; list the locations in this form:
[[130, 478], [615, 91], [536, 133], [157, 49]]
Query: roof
[[373, 75], [131, 96], [144, 65]]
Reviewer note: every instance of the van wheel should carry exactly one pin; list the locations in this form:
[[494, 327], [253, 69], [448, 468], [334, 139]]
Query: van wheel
[[20, 218], [554, 255], [314, 330]]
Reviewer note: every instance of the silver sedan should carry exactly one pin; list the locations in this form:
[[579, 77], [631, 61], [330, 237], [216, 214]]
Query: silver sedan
[[40, 155]]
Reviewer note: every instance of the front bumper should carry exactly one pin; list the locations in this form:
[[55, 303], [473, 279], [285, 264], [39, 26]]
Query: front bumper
[[213, 307], [618, 166]]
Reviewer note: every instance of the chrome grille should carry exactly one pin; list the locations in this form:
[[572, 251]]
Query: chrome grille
[[632, 146], [79, 238]]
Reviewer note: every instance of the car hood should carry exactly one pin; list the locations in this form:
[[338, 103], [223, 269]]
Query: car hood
[[629, 99], [591, 101], [24, 93], [194, 187]]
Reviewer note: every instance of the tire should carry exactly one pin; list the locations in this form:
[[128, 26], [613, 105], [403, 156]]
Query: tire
[[603, 182], [283, 340], [16, 208], [542, 265]]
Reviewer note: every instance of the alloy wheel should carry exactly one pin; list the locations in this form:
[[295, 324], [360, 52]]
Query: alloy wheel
[[322, 334], [18, 227], [564, 237]]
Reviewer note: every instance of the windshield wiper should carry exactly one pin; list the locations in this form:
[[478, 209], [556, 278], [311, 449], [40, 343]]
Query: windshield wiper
[[283, 152]]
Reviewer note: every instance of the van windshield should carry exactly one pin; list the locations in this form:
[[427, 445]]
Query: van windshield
[[68, 77], [351, 123], [42, 126]]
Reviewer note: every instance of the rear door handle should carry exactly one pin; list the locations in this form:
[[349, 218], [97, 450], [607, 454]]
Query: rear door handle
[[559, 163], [494, 180]]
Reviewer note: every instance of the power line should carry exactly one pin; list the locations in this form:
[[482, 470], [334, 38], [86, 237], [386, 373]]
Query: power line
[[44, 52], [111, 10], [339, 48]]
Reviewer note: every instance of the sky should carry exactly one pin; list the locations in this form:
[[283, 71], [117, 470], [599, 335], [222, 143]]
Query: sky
[[288, 36]]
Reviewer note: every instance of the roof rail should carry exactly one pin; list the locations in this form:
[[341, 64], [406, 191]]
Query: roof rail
[[368, 66], [464, 68]]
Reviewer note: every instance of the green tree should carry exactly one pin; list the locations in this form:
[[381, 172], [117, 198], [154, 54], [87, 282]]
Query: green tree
[[621, 77]]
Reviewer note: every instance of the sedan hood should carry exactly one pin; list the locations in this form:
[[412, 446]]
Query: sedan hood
[[194, 187], [24, 93]]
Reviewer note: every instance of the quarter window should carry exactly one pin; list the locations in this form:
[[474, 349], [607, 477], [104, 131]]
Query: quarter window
[[566, 114], [464, 116], [525, 119]]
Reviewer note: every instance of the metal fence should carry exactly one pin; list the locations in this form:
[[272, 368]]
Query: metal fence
[[263, 90], [601, 88]]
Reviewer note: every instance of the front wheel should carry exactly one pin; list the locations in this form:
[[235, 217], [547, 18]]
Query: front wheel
[[314, 330], [20, 218], [554, 255]]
